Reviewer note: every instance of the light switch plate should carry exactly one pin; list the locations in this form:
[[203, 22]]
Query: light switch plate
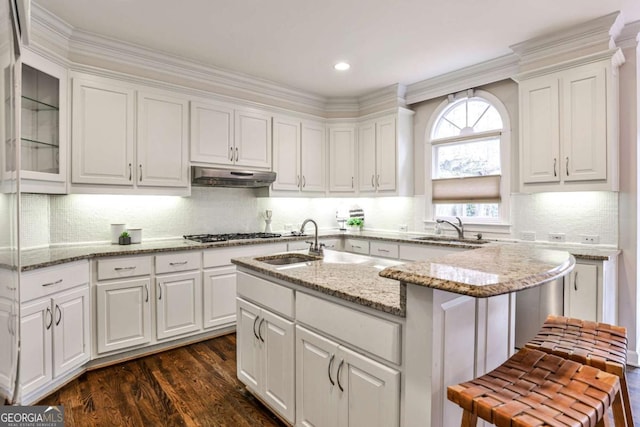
[[556, 237]]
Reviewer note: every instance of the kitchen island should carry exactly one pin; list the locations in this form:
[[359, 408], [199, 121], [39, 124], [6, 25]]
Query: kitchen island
[[387, 339]]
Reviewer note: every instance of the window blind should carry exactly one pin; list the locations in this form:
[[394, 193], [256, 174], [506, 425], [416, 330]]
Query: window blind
[[473, 189]]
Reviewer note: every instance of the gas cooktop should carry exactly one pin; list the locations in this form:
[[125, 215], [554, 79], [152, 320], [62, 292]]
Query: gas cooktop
[[208, 238]]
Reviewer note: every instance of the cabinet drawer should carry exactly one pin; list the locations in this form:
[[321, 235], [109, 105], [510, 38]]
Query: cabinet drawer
[[334, 244], [181, 261], [46, 281], [299, 245], [116, 268], [275, 297], [370, 333], [221, 257], [356, 245], [387, 250]]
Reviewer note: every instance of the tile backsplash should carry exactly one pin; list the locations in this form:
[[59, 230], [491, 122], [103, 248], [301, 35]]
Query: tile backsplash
[[53, 220]]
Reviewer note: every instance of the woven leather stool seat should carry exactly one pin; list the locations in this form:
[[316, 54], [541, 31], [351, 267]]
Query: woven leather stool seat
[[595, 344], [534, 388]]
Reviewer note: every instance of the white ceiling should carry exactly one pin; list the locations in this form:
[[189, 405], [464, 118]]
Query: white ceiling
[[296, 42]]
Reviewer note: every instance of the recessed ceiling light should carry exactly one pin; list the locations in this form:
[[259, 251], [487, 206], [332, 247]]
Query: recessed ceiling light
[[342, 66]]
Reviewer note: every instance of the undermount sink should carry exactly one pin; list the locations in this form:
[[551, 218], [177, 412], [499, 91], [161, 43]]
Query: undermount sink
[[286, 259], [445, 239]]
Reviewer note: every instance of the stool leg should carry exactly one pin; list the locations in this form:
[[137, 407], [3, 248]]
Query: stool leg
[[618, 412], [626, 400], [469, 419]]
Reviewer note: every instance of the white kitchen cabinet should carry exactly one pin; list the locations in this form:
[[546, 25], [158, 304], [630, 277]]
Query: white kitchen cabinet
[[590, 291], [162, 149], [299, 155], [178, 294], [178, 304], [43, 125], [337, 386], [54, 325], [265, 356], [212, 130], [342, 159], [219, 281], [384, 249], [103, 132], [117, 144], [252, 139], [357, 246], [568, 129], [8, 330], [230, 136], [123, 314], [377, 155]]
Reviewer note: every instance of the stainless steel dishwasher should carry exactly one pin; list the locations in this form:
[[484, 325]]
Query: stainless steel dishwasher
[[534, 305]]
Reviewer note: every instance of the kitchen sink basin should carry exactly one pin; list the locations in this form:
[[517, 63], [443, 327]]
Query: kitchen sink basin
[[443, 239], [286, 259]]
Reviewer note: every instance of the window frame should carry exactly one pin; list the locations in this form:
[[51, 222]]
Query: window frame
[[502, 223]]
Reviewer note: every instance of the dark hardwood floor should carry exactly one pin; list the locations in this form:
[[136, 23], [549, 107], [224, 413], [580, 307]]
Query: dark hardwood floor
[[194, 385]]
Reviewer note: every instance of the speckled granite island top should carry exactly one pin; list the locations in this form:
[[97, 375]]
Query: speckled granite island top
[[486, 272], [347, 276]]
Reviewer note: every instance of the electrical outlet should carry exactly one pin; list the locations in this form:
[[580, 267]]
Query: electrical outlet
[[404, 227], [556, 237], [528, 235], [591, 239]]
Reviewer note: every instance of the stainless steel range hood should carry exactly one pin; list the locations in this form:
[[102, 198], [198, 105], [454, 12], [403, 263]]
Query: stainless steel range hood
[[210, 177]]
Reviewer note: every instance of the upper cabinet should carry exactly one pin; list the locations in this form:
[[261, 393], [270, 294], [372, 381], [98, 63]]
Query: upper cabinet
[[342, 159], [114, 143], [377, 151], [224, 135], [298, 155], [569, 129], [43, 131]]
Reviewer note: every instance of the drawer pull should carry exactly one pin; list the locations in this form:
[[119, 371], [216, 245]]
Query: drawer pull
[[59, 313], [333, 356], [48, 313], [356, 246], [179, 263], [57, 282], [124, 268], [260, 329], [338, 375], [383, 250]]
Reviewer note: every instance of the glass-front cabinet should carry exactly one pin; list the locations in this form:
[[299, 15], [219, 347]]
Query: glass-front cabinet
[[43, 125]]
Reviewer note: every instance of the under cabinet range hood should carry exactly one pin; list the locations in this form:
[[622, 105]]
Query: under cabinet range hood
[[210, 177]]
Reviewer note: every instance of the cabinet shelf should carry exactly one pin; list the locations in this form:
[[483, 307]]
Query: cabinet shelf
[[31, 143], [35, 105]]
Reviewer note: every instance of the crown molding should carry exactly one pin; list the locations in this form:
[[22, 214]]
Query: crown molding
[[469, 77], [615, 56], [628, 37], [598, 34]]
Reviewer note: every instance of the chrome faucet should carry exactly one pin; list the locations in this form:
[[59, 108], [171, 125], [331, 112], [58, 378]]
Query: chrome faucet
[[315, 248], [459, 228]]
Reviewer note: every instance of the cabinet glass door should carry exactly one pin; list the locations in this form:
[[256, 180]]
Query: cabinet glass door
[[40, 135]]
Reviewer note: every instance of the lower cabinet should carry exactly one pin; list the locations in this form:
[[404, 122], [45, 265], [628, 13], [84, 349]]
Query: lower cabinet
[[336, 386], [219, 296], [123, 314], [54, 337], [265, 356], [178, 304], [590, 291]]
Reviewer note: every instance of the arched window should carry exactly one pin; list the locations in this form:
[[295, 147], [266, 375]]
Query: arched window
[[469, 155]]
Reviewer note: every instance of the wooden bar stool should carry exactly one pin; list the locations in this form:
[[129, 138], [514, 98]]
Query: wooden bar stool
[[534, 388], [600, 345]]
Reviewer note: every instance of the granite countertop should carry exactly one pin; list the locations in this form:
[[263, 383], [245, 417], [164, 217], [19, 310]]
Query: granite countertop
[[344, 275], [488, 271], [38, 258]]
